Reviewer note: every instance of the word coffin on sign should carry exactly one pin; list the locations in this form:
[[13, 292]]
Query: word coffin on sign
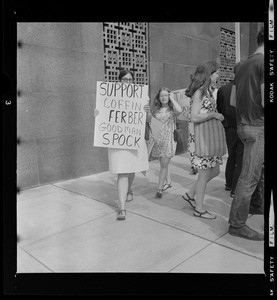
[[121, 119]]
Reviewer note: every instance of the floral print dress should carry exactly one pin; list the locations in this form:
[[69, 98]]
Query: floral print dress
[[165, 146], [201, 162]]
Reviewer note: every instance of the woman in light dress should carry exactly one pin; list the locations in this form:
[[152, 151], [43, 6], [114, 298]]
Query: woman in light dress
[[124, 162]]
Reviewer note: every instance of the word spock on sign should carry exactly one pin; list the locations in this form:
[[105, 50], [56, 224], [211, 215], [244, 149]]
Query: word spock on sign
[[116, 139]]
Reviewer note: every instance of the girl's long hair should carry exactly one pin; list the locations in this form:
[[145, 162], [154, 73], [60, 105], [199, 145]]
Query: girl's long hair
[[201, 79], [157, 103]]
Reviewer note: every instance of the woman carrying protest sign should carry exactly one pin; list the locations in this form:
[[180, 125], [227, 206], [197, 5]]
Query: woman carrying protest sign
[[165, 109], [124, 162]]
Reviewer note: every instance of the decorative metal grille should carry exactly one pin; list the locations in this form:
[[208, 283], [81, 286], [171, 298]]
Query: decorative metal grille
[[227, 55], [125, 47]]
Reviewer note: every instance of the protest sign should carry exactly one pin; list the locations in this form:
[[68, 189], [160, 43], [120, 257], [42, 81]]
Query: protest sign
[[121, 119], [183, 100]]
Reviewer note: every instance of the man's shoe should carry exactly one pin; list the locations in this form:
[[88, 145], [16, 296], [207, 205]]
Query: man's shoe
[[227, 188], [255, 211], [246, 232]]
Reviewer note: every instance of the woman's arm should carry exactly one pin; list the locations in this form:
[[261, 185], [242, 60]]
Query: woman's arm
[[176, 106], [148, 116], [146, 108], [233, 96], [262, 89], [196, 116]]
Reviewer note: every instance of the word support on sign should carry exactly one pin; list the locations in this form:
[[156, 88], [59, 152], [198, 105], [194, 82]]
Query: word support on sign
[[121, 119]]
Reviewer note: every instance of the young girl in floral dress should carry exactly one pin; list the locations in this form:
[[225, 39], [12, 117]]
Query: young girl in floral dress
[[165, 109]]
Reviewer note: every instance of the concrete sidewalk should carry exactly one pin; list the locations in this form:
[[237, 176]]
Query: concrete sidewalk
[[71, 226]]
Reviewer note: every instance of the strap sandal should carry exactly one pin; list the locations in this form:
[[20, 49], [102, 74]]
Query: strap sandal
[[121, 215], [194, 171], [191, 201], [167, 186], [204, 215], [129, 196], [159, 193]]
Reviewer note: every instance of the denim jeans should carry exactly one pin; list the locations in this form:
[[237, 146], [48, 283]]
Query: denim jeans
[[235, 156], [257, 199], [251, 177]]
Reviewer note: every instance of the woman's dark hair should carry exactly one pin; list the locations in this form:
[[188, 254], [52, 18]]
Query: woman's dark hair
[[123, 73], [201, 79], [157, 103]]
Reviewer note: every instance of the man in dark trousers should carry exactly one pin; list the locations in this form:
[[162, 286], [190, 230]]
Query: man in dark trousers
[[234, 143], [248, 97]]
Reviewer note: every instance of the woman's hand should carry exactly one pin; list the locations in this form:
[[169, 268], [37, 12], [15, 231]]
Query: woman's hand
[[146, 107], [218, 116], [96, 112], [171, 97]]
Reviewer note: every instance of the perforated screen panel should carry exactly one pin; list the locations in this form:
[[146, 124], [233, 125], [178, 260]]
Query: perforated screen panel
[[227, 55], [126, 47]]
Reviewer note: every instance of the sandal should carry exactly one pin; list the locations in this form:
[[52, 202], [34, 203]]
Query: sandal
[[204, 215], [167, 186], [159, 193], [129, 196], [189, 200], [194, 171], [121, 215]]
